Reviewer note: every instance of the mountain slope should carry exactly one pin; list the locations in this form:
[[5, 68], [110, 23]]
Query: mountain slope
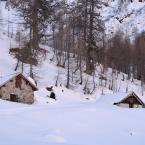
[[73, 119], [48, 73], [128, 17]]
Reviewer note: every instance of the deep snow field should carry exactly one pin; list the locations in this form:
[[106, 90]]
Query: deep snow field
[[72, 119], [82, 123]]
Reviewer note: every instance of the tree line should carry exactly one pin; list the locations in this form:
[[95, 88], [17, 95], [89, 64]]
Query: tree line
[[127, 55], [76, 32]]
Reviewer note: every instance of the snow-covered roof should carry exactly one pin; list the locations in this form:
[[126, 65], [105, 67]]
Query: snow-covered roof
[[7, 78], [140, 99], [117, 97]]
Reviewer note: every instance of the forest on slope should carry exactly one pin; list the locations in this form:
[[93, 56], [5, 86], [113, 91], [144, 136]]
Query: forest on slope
[[76, 31]]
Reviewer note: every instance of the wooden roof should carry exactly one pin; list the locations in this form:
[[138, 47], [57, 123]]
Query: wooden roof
[[130, 95]]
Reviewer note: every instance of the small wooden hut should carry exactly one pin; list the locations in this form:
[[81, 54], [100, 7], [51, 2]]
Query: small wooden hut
[[131, 101]]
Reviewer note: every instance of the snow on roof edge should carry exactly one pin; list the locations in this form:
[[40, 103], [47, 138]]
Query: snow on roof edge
[[7, 79]]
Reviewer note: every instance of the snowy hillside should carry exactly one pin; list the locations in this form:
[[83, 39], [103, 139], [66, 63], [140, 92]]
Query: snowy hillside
[[75, 118], [48, 73], [128, 17]]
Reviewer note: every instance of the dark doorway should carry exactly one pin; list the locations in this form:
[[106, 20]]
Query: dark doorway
[[13, 98], [131, 105]]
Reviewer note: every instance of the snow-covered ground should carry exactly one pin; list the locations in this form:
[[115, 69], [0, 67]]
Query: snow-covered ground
[[72, 119], [81, 123]]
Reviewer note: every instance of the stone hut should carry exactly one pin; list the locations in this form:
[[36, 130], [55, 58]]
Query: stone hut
[[131, 101], [17, 88]]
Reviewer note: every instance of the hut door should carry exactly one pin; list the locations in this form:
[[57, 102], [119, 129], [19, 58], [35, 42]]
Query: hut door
[[13, 98], [131, 105], [131, 102]]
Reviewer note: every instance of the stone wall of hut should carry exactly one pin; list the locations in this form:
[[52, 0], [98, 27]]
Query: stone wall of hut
[[25, 94]]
